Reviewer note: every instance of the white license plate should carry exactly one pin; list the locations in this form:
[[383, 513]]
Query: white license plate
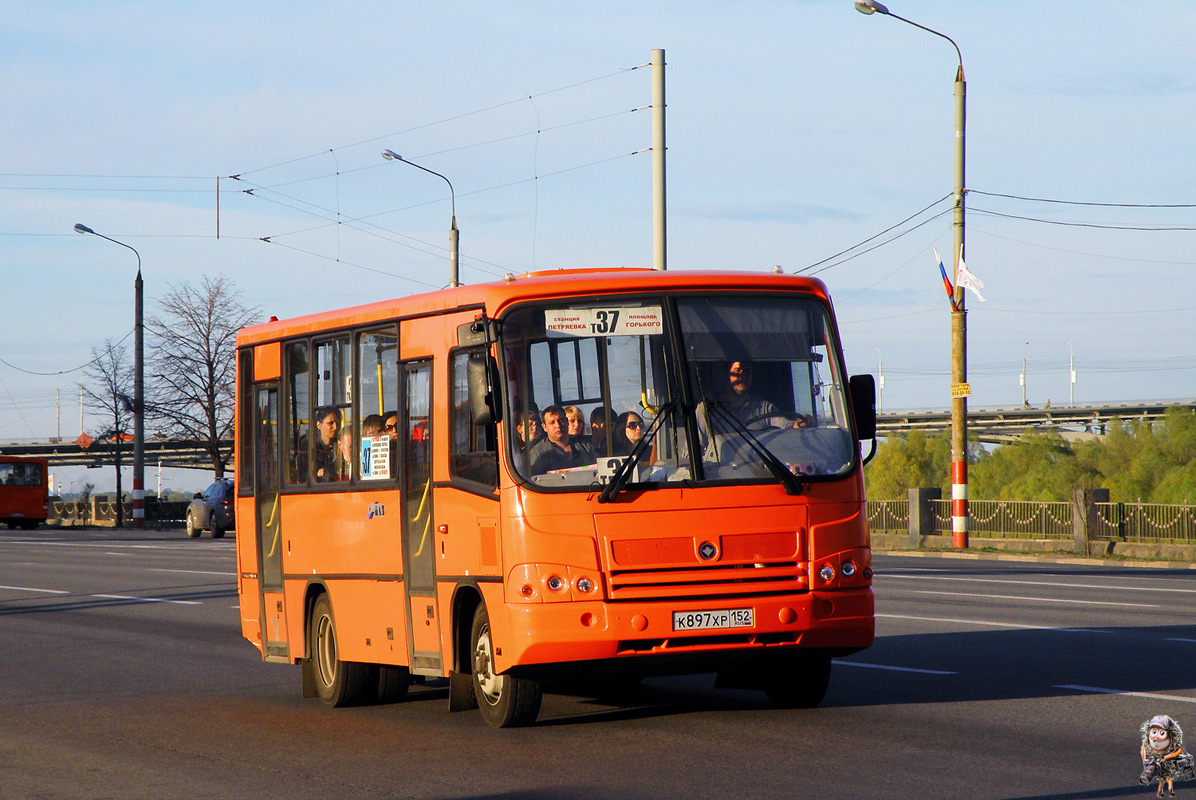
[[717, 618]]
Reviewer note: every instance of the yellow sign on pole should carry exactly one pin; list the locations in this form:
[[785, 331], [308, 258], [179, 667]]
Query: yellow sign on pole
[[961, 390]]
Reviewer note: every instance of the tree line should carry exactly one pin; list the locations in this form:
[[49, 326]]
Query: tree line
[[1135, 460], [189, 371]]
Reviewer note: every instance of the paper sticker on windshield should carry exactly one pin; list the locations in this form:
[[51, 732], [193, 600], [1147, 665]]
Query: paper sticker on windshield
[[375, 458], [612, 321]]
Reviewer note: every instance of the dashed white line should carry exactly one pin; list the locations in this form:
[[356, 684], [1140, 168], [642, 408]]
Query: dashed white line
[[1038, 599], [1036, 583], [146, 599], [31, 589], [1099, 690], [894, 669], [989, 624], [224, 574]]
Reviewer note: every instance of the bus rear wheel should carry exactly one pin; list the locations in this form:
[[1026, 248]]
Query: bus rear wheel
[[338, 683], [504, 700], [797, 683]]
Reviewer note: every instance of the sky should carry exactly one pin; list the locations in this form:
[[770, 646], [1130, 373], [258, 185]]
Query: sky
[[245, 140]]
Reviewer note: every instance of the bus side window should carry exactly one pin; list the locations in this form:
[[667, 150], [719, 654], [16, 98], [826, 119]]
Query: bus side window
[[377, 393], [472, 449], [333, 401], [298, 412]]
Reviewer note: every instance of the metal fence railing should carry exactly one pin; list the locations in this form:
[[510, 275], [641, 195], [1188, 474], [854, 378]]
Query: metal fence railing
[[1145, 522], [1012, 519], [888, 516], [1030, 519], [101, 510]]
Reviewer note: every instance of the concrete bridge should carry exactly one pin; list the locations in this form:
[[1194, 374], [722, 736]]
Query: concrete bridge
[[988, 424], [998, 425]]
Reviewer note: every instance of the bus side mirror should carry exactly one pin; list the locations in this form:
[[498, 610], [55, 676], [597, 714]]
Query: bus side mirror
[[482, 408], [863, 405]]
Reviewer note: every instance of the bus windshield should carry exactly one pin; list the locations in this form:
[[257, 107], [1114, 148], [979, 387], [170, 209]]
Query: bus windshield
[[680, 388]]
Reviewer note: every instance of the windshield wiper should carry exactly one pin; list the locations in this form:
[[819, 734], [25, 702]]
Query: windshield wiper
[[627, 467], [792, 483]]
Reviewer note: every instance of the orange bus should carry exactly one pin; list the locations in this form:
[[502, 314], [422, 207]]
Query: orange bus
[[415, 504], [24, 492]]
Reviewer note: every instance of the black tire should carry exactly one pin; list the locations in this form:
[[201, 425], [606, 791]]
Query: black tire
[[504, 700], [797, 683], [392, 683], [217, 531], [338, 683], [193, 530]]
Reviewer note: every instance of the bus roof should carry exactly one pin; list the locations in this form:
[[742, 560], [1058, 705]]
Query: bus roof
[[544, 284]]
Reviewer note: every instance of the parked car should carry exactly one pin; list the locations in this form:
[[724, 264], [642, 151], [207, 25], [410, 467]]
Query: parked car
[[212, 510]]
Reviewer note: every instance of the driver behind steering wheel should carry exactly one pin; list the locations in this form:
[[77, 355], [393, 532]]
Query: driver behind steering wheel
[[754, 412]]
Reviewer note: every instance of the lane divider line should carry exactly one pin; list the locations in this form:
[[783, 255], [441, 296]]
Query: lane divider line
[[892, 668], [31, 589], [1039, 599], [145, 599], [990, 624], [1036, 583], [1098, 690]]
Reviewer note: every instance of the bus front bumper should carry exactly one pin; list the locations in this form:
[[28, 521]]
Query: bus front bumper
[[839, 621]]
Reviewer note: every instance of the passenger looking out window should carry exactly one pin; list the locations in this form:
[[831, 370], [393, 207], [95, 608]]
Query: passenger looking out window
[[556, 450], [323, 460], [629, 429]]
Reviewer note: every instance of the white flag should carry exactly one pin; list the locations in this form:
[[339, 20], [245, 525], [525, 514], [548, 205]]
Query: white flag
[[967, 280]]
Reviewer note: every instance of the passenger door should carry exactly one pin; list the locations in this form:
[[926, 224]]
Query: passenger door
[[268, 529], [419, 562]]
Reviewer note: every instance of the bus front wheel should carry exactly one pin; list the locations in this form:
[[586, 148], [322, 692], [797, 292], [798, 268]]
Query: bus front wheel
[[338, 683], [504, 700]]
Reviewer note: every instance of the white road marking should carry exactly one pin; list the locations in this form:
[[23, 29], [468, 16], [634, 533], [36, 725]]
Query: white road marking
[[146, 599], [1098, 690], [31, 589], [989, 624], [1035, 583], [1038, 599], [893, 669], [193, 572]]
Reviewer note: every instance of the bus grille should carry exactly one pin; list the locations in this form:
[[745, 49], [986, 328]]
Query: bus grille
[[716, 580]]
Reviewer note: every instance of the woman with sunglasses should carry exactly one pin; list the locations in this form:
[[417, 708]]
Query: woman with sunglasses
[[629, 429]]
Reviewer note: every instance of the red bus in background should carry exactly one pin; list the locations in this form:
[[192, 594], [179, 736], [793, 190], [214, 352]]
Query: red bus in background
[[408, 504], [24, 492]]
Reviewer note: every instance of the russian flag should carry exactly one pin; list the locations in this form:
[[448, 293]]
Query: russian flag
[[946, 281]]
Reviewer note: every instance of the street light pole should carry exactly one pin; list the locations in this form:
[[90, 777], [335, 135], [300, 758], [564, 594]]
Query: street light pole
[[880, 380], [138, 386], [960, 390], [454, 234], [1071, 374], [1025, 402]]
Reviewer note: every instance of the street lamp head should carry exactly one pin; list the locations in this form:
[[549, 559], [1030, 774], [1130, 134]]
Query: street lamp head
[[870, 7], [81, 228], [391, 155]]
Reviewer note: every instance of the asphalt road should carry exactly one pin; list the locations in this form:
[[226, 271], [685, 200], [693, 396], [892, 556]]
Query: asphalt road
[[125, 676]]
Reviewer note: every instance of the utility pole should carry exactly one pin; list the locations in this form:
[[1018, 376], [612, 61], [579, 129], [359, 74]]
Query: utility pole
[[659, 238]]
